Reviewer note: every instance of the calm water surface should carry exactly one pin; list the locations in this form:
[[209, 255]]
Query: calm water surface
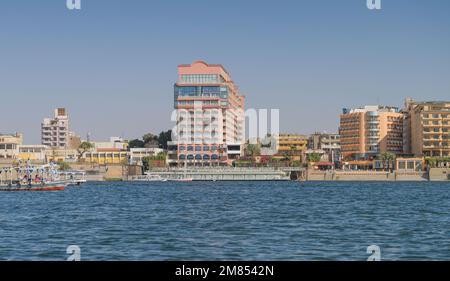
[[229, 221]]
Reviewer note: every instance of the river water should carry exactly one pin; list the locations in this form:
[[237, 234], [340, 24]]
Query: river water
[[229, 221]]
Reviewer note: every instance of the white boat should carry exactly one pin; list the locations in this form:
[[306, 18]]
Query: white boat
[[73, 177], [151, 178]]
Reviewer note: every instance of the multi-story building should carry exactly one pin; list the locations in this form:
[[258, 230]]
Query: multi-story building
[[370, 131], [292, 145], [427, 128], [113, 151], [291, 142], [328, 144], [9, 145], [114, 142], [136, 155], [55, 131], [210, 117], [54, 154], [35, 153], [104, 156]]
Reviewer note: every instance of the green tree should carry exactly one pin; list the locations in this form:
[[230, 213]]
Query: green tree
[[83, 148], [387, 159], [164, 138], [313, 157], [146, 163], [63, 166], [136, 144], [150, 140], [292, 151], [253, 150]]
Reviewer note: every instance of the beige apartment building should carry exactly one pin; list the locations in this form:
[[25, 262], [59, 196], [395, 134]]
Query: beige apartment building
[[370, 131], [9, 145], [327, 144], [55, 131], [427, 128], [294, 145]]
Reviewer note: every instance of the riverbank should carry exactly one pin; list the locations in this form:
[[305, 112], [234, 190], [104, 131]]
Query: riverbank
[[98, 173], [434, 174]]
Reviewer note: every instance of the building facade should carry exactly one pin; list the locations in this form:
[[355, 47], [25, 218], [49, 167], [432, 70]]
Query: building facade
[[114, 151], [136, 155], [328, 144], [427, 128], [55, 131], [105, 156], [210, 117], [9, 145], [292, 145], [370, 131], [35, 153]]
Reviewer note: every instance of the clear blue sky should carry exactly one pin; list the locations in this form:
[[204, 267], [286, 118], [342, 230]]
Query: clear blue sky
[[113, 64]]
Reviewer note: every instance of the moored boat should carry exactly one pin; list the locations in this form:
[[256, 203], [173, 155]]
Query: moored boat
[[34, 187], [31, 178], [151, 178]]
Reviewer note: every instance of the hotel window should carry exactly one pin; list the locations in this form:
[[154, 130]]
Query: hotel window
[[200, 78]]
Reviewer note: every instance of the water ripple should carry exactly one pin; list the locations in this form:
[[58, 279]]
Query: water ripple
[[229, 221]]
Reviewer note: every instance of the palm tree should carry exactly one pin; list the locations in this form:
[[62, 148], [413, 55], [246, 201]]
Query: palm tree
[[387, 159], [293, 148]]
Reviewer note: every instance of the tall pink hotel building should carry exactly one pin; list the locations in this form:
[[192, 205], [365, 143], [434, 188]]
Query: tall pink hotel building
[[210, 118]]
